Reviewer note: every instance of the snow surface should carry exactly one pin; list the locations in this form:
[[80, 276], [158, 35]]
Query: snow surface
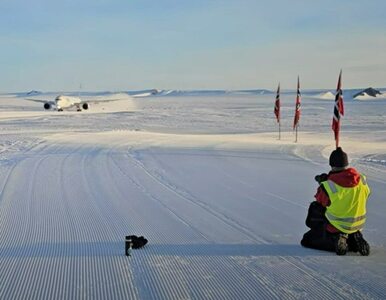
[[203, 177]]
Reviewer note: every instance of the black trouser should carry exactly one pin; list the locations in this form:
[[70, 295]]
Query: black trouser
[[318, 237]]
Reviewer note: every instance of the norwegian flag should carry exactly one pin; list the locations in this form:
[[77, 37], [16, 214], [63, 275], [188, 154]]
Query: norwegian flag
[[297, 107], [338, 110], [277, 104]]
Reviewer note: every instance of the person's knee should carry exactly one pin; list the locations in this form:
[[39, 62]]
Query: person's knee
[[306, 240]]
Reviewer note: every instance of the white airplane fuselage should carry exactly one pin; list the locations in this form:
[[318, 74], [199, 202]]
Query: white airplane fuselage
[[63, 102]]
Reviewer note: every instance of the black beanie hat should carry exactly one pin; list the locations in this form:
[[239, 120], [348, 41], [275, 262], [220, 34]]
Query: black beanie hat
[[338, 158]]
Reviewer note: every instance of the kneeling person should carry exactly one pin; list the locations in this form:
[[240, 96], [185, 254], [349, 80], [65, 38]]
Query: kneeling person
[[338, 215]]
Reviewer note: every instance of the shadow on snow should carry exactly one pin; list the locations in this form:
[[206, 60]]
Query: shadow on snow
[[118, 248]]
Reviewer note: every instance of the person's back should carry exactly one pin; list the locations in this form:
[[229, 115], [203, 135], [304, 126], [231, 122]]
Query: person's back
[[341, 196], [348, 193]]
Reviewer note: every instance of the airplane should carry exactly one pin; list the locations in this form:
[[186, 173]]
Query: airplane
[[62, 102]]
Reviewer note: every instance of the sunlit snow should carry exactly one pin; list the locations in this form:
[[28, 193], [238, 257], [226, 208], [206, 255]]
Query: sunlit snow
[[203, 176]]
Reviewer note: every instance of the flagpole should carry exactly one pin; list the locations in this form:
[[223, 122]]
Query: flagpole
[[279, 131], [337, 142], [337, 135]]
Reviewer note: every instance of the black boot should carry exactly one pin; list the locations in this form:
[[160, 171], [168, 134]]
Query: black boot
[[358, 244], [341, 244]]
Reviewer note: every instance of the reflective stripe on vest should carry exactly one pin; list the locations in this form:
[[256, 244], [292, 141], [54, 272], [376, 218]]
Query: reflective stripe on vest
[[347, 220], [332, 186], [352, 229], [347, 211], [340, 223]]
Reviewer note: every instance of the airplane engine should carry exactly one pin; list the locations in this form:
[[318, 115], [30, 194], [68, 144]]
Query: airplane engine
[[85, 106], [47, 105]]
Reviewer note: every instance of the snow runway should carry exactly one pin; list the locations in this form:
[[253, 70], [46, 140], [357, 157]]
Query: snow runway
[[216, 228]]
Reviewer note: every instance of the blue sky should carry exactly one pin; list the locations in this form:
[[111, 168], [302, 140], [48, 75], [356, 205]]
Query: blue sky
[[113, 45]]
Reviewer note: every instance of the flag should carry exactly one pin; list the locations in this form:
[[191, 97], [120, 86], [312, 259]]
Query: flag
[[297, 107], [277, 104], [338, 109]]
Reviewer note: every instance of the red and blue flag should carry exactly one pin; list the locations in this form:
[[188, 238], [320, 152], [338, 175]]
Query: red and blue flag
[[277, 104], [297, 106], [338, 110]]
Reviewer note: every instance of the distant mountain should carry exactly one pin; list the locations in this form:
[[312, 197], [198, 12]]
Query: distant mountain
[[256, 92], [322, 94], [368, 92], [24, 94], [156, 92], [144, 93], [348, 94], [33, 93]]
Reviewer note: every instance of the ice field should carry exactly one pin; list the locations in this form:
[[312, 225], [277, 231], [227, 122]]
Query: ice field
[[203, 177]]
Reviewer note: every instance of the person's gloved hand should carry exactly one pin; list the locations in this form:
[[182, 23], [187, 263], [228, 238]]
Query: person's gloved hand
[[322, 177]]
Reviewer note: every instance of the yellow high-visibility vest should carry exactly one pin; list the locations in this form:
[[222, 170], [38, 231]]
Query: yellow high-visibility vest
[[347, 211]]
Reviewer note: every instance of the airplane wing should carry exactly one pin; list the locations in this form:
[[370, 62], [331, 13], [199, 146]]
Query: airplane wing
[[38, 100], [47, 104]]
